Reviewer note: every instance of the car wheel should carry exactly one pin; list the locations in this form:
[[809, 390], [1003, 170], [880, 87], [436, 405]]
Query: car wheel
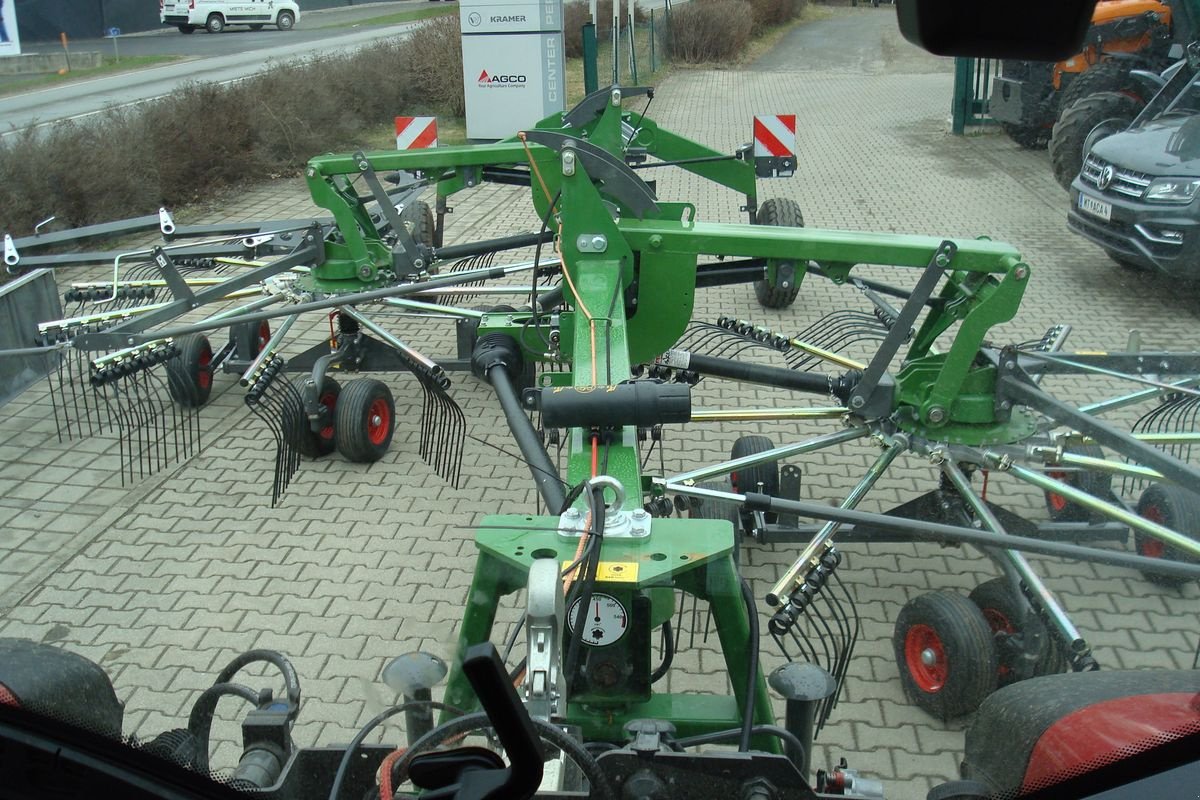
[[285, 21], [187, 28], [215, 23]]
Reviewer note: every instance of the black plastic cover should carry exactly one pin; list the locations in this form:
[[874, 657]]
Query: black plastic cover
[[60, 684]]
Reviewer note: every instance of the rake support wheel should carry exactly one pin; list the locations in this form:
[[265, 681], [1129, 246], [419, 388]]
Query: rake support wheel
[[763, 478], [190, 375], [1005, 616], [710, 509], [317, 443], [785, 213], [1177, 509], [364, 420], [1098, 484], [945, 653]]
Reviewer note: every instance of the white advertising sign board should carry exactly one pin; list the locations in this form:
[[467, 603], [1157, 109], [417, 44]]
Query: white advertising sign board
[[513, 64], [10, 37]]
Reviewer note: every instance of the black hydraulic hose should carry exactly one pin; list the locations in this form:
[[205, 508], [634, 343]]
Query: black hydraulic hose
[[590, 566], [340, 776], [751, 672], [769, 376], [457, 251], [668, 643], [291, 680], [545, 476], [200, 720]]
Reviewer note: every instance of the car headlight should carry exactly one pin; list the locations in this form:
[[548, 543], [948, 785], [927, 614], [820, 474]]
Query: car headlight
[[1172, 190]]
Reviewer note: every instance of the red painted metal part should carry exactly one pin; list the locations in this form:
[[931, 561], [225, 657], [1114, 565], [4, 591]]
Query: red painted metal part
[[1107, 732], [919, 640]]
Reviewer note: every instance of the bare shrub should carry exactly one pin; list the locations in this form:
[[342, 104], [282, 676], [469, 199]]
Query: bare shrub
[[204, 137], [709, 31], [432, 59]]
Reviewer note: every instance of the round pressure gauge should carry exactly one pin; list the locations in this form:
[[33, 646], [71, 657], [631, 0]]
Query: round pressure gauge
[[604, 621]]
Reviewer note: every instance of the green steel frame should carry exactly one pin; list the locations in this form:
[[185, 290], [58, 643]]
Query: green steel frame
[[629, 299]]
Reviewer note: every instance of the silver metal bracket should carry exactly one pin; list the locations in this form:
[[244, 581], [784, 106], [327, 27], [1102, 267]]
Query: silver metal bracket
[[618, 523], [544, 618]]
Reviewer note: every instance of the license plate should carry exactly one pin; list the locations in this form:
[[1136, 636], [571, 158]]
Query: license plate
[[1097, 208]]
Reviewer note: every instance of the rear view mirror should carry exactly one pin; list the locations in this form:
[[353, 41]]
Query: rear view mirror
[[1035, 30]]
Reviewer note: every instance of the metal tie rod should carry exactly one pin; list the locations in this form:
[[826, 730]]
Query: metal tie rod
[[939, 532], [774, 454]]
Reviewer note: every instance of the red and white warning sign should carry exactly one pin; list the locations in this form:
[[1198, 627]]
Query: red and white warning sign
[[775, 136], [413, 133]]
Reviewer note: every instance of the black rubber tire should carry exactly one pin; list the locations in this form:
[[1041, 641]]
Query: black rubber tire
[[419, 217], [190, 374], [782, 212], [1070, 137], [285, 21], [315, 444], [1098, 484], [215, 23], [748, 480], [956, 635], [187, 29], [1030, 137], [1177, 509], [704, 508], [258, 26], [365, 420], [959, 790], [1110, 75], [1002, 610]]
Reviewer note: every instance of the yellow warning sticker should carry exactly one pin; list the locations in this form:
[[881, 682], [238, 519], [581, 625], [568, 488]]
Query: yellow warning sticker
[[614, 571]]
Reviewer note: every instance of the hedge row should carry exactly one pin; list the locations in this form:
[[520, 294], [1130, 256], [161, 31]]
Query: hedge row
[[205, 137]]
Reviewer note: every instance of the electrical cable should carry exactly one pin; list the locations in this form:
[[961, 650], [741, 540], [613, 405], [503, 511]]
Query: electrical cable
[[376, 721], [734, 733], [586, 585], [598, 784], [201, 717], [752, 671]]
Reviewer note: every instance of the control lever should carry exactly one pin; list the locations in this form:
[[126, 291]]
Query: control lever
[[464, 773]]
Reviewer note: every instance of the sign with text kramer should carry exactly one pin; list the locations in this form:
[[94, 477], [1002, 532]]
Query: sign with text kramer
[[513, 64], [10, 38]]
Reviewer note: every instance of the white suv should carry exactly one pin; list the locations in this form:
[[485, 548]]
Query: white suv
[[214, 15]]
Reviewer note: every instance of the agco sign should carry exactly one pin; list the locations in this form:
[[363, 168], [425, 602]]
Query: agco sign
[[498, 81]]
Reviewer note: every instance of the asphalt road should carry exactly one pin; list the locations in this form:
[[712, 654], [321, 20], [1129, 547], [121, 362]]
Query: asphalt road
[[861, 39], [219, 58]]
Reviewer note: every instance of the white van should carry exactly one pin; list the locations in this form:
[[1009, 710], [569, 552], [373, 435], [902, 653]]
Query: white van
[[214, 15]]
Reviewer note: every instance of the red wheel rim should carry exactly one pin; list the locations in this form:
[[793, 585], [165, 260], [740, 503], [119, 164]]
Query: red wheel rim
[[1147, 545], [1056, 500], [925, 658], [204, 368], [264, 334], [379, 421], [329, 400], [999, 623]]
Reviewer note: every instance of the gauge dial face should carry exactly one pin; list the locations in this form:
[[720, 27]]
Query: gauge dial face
[[604, 621]]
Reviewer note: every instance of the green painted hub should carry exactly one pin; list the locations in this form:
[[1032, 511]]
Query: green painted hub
[[1022, 425]]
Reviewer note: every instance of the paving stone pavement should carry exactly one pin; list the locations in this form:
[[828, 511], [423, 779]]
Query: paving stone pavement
[[163, 581]]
